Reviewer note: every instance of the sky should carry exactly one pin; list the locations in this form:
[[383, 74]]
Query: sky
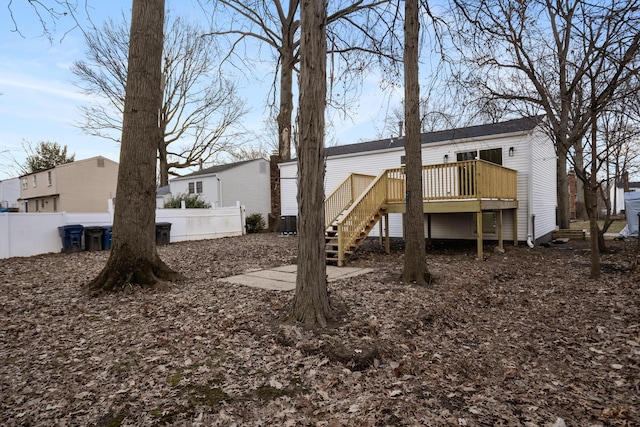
[[39, 101]]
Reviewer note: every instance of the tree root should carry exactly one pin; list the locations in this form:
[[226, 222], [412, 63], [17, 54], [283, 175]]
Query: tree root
[[118, 276]]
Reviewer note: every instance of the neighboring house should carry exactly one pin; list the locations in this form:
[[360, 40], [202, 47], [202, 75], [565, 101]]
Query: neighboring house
[[246, 182], [496, 178], [163, 194], [9, 194], [617, 195], [80, 186]]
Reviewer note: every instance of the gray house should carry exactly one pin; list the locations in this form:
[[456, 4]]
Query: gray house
[[246, 182]]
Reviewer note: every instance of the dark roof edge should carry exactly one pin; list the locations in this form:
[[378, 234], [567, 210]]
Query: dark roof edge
[[524, 124], [217, 168]]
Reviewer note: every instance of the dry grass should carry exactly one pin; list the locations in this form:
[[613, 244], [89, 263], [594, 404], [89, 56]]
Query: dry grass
[[616, 227]]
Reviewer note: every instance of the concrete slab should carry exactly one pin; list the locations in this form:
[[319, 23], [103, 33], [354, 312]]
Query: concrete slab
[[283, 278]]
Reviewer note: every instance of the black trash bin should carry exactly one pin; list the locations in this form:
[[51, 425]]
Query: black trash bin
[[106, 237], [163, 233], [71, 236], [288, 224], [93, 238]]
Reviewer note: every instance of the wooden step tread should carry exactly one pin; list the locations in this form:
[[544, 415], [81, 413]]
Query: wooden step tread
[[569, 234]]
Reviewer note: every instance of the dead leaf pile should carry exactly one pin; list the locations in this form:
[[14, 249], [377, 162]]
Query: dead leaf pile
[[522, 338]]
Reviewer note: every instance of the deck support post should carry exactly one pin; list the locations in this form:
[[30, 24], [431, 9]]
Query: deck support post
[[479, 226], [500, 244], [515, 227], [387, 244]]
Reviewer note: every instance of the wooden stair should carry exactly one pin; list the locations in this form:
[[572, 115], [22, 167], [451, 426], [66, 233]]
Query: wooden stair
[[569, 234], [331, 239]]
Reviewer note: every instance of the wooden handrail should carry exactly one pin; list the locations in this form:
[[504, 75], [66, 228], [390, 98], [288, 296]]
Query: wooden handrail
[[361, 211], [343, 195]]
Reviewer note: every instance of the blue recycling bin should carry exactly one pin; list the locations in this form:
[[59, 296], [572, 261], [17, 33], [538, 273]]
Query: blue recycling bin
[[71, 236], [106, 237]]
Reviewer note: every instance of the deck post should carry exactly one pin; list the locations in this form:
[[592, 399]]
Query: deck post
[[340, 248], [387, 244], [515, 227], [500, 244], [479, 225]]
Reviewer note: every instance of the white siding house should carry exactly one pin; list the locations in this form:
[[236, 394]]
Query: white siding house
[[516, 144], [246, 182], [9, 193]]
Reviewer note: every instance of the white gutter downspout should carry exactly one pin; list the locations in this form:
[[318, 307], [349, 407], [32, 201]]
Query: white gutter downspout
[[219, 191], [530, 216]]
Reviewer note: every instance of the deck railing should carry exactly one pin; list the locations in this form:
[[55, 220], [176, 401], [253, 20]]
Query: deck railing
[[471, 179], [344, 195]]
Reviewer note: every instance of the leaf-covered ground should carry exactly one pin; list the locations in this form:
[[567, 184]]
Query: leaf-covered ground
[[522, 338]]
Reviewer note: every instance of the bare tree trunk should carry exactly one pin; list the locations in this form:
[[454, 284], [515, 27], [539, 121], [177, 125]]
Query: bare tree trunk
[[593, 197], [133, 258], [562, 189], [311, 301], [415, 264], [581, 214], [286, 100], [163, 165]]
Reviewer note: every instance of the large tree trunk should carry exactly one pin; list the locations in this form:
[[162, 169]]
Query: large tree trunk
[[415, 265], [562, 190], [133, 259], [311, 301]]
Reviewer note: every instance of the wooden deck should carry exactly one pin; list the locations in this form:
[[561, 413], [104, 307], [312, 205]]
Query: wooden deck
[[360, 201]]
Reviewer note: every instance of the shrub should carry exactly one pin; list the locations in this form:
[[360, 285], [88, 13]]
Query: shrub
[[191, 201], [255, 223]]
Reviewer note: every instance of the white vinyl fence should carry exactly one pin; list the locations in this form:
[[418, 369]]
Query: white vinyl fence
[[27, 234]]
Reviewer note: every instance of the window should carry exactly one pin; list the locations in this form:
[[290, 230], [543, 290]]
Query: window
[[42, 203], [493, 155], [34, 180], [49, 178], [25, 183], [467, 155], [488, 223], [195, 187]]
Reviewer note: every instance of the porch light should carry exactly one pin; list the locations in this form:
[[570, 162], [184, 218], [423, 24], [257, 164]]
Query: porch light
[[446, 158], [511, 150]]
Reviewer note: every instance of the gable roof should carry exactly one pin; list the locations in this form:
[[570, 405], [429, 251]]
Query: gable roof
[[72, 164], [163, 191], [525, 124], [216, 169]]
